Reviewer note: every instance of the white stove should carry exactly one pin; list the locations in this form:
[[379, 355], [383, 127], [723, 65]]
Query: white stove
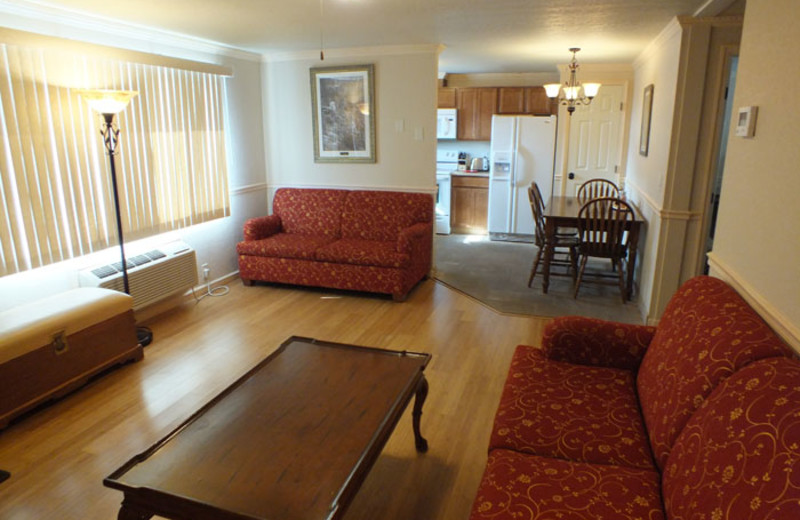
[[446, 163]]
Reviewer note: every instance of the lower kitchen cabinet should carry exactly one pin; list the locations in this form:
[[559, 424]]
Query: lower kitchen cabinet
[[469, 204]]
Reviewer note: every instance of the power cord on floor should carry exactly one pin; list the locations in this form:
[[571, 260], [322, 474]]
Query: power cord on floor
[[222, 290]]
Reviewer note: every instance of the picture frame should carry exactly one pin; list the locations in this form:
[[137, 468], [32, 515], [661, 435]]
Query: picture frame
[[343, 110], [647, 112]]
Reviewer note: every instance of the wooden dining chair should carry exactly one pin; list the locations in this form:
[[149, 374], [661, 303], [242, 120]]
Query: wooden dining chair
[[565, 247], [602, 226], [596, 189]]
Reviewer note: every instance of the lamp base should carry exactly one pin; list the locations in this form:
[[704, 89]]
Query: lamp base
[[144, 335]]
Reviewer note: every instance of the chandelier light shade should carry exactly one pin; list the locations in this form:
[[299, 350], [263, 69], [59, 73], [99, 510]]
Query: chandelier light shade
[[572, 92]]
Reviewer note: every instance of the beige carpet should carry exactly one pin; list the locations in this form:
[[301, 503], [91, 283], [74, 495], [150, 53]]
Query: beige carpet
[[496, 273]]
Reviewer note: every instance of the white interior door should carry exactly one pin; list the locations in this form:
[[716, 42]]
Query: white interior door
[[594, 139]]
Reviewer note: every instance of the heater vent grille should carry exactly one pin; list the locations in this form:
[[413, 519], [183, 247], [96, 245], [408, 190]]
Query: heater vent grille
[[167, 271]]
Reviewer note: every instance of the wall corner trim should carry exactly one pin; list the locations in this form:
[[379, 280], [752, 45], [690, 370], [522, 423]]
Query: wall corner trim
[[782, 326]]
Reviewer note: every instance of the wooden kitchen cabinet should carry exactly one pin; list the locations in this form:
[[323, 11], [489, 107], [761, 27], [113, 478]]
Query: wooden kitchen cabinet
[[469, 204], [524, 100], [447, 97], [537, 102], [475, 109]]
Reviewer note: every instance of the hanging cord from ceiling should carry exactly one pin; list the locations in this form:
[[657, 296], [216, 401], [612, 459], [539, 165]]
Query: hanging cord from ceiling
[[321, 20]]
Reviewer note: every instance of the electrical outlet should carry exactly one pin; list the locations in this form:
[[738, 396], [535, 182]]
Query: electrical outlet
[[206, 272]]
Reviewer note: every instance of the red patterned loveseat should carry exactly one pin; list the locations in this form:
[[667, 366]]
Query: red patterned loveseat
[[696, 419], [374, 241]]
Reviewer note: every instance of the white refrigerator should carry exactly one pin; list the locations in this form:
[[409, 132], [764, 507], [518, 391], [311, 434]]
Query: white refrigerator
[[522, 151]]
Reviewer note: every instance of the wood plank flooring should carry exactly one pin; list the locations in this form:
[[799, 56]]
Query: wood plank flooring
[[59, 455]]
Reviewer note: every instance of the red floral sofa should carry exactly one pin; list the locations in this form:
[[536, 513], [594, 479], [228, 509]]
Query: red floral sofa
[[374, 241], [698, 418]]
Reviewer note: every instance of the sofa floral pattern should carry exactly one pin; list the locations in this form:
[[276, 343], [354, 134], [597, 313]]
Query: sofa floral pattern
[[739, 455], [521, 487], [573, 412], [698, 418], [354, 240]]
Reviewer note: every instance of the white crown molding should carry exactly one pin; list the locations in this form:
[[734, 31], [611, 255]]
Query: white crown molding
[[672, 29], [353, 52], [38, 17]]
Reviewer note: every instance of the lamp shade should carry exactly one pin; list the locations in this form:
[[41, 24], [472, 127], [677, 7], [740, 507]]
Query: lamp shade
[[108, 101], [591, 89], [552, 89]]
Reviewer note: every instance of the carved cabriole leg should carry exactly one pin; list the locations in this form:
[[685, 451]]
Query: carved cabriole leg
[[128, 513], [422, 393]]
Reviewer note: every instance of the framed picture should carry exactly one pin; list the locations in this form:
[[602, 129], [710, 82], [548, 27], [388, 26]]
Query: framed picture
[[647, 111], [343, 108]]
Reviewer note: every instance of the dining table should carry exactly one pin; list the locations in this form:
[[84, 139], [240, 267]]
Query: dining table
[[561, 212]]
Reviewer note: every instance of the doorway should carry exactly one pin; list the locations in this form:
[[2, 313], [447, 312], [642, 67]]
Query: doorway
[[716, 186]]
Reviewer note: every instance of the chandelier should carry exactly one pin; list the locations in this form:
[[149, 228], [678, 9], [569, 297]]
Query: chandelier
[[572, 88]]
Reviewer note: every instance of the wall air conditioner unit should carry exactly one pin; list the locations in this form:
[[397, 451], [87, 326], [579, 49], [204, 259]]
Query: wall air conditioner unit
[[153, 275]]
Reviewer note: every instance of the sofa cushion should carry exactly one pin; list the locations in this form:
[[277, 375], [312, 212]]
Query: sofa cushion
[[310, 211], [516, 486], [381, 215], [574, 412], [363, 252], [707, 332], [284, 245], [739, 455]]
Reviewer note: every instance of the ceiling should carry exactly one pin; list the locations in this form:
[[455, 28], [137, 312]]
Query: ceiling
[[477, 35]]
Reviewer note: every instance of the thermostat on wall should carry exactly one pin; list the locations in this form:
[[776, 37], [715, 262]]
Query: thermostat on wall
[[746, 124]]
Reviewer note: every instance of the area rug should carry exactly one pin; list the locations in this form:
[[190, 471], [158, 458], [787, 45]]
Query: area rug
[[496, 273]]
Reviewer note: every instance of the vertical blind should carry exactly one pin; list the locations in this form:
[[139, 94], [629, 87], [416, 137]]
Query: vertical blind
[[55, 183]]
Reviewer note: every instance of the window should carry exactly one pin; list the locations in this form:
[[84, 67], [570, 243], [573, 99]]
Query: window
[[54, 178]]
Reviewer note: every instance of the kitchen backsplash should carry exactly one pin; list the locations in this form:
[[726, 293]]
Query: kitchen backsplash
[[473, 148]]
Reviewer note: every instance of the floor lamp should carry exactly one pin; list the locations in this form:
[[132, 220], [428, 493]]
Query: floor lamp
[[109, 103]]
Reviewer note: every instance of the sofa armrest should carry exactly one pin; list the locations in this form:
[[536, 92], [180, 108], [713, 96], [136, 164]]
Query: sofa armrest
[[261, 227], [589, 341], [411, 237]]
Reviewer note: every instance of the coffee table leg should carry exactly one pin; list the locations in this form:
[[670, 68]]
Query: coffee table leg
[[126, 512], [422, 393]]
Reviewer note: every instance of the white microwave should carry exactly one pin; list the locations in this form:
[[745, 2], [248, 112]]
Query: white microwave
[[446, 124]]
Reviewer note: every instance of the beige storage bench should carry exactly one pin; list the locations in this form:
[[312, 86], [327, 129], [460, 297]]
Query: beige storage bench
[[54, 345]]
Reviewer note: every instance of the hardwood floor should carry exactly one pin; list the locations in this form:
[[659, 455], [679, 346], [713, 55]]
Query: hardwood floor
[[59, 455]]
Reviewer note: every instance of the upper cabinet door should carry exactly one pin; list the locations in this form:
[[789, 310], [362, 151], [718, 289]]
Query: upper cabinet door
[[511, 100], [537, 102], [447, 97], [475, 109]]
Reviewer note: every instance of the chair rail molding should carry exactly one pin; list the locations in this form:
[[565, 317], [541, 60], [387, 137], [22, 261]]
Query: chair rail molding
[[782, 326], [250, 188]]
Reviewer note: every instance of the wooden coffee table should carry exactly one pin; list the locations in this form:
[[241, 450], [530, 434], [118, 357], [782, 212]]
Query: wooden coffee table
[[294, 438]]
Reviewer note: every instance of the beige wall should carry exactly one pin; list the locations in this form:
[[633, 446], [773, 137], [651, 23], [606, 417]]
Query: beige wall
[[405, 97], [757, 246], [645, 176]]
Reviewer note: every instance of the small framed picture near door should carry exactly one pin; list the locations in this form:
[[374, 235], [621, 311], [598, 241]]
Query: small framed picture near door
[[647, 111], [343, 108]]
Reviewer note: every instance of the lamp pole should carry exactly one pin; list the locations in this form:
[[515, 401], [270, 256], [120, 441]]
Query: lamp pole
[[111, 139]]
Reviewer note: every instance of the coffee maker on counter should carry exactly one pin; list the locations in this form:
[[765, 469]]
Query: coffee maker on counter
[[462, 161]]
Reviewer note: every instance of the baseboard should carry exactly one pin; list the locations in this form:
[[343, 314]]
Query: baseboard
[[782, 326]]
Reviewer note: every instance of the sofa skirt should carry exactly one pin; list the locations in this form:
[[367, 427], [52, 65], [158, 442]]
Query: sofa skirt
[[385, 280]]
